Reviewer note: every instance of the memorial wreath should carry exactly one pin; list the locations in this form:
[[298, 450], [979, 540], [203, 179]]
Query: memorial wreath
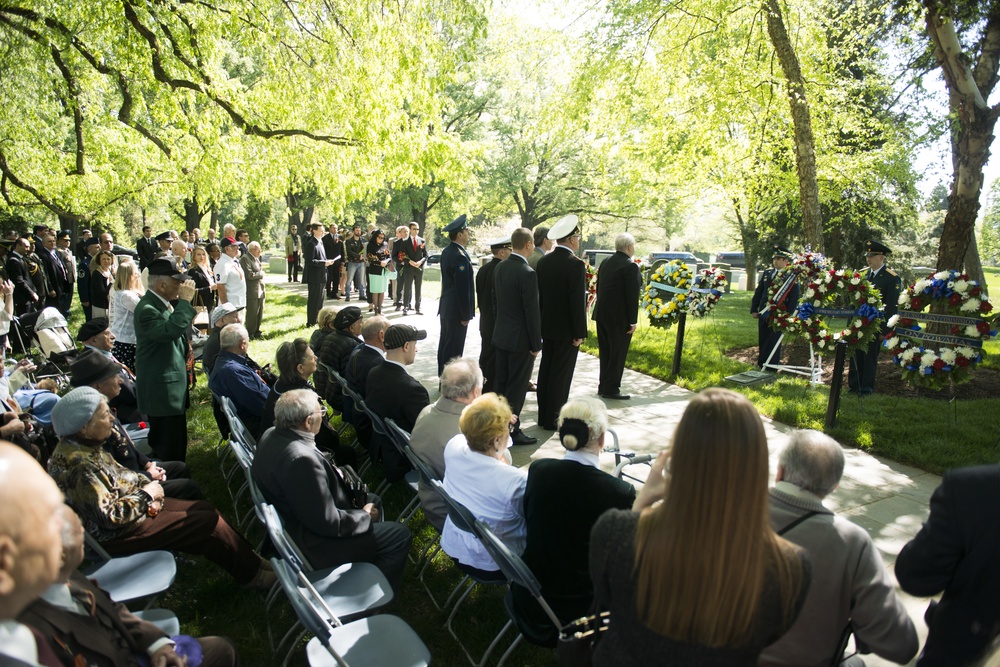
[[708, 289], [834, 295], [781, 314], [666, 294], [957, 305]]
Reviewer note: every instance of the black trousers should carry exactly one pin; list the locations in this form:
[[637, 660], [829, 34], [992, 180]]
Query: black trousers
[[333, 280], [452, 341], [488, 360], [168, 437], [412, 280], [179, 483], [316, 296], [612, 342], [863, 366], [513, 377], [555, 376], [767, 339], [293, 267]]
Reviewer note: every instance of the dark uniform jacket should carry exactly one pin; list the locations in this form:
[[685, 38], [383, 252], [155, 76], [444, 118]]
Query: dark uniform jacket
[[562, 295], [24, 288], [888, 284], [515, 292], [458, 299], [314, 268], [618, 283], [484, 295], [147, 249]]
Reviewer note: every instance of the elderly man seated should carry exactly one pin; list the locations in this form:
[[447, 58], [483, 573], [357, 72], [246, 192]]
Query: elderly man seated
[[96, 335], [330, 517], [850, 584], [31, 519], [85, 627], [461, 383], [234, 378], [92, 369], [221, 316]]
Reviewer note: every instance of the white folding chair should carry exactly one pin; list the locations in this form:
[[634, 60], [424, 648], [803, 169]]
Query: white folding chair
[[130, 578]]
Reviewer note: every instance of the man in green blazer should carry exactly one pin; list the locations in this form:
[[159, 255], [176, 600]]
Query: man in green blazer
[[162, 321]]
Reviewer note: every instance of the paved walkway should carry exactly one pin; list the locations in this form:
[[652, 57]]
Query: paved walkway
[[887, 499]]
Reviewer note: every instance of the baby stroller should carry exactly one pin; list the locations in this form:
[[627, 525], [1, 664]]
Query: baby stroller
[[52, 336], [22, 332]]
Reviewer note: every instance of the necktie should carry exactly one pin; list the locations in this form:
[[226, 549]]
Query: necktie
[[414, 242]]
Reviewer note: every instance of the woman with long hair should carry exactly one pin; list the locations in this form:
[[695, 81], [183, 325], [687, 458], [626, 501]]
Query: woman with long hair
[[377, 256], [101, 277], [694, 574], [204, 278], [124, 298]]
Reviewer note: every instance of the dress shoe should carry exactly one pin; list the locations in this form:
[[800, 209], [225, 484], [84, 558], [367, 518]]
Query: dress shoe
[[417, 311], [616, 397], [520, 438], [532, 386], [548, 427]]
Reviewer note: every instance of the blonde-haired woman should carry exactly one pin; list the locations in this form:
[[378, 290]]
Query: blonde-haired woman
[[101, 278], [204, 278], [478, 474], [699, 578], [124, 298]]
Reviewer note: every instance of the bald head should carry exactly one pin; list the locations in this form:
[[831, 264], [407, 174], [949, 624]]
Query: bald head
[[31, 522]]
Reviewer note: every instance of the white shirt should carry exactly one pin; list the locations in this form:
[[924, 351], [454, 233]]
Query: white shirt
[[17, 642], [123, 305], [380, 351], [493, 492], [584, 458], [229, 274]]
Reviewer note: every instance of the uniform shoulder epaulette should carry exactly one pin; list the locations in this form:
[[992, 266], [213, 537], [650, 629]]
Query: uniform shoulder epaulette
[[891, 272]]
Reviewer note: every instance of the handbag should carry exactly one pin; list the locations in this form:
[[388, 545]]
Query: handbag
[[357, 490], [577, 640]]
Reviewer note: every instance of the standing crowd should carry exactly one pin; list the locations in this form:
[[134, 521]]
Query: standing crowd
[[704, 565]]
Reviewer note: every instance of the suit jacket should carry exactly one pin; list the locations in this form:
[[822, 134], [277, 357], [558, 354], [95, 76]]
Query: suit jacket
[[314, 267], [24, 287], [329, 246], [484, 295], [293, 244], [458, 299], [562, 502], [618, 283], [147, 249], [956, 552], [359, 364], [515, 292], [415, 254], [395, 394], [161, 355], [94, 638], [436, 425], [310, 496], [255, 275], [55, 272], [562, 295]]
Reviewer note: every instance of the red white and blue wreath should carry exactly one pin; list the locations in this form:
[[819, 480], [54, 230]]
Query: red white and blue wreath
[[956, 306], [709, 285], [780, 312]]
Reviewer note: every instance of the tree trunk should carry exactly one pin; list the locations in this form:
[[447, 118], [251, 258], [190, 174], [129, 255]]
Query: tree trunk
[[973, 266], [805, 146], [307, 216], [419, 214], [192, 213], [214, 222]]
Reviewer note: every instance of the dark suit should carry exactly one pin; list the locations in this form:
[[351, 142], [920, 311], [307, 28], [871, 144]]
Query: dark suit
[[413, 276], [392, 393], [864, 363], [26, 298], [767, 338], [110, 636], [484, 295], [55, 276], [615, 311], [147, 249], [518, 329], [314, 274], [310, 496], [458, 303], [956, 552], [332, 271], [362, 360], [562, 502], [562, 299]]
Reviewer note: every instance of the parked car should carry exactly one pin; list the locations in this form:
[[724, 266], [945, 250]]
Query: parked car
[[433, 258], [734, 259], [656, 259], [595, 257]]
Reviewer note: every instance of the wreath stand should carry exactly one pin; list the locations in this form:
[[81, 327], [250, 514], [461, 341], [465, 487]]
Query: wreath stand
[[814, 371]]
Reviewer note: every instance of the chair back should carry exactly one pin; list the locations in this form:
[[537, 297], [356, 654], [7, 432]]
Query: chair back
[[513, 567], [399, 437], [333, 375], [427, 474], [237, 427], [378, 424], [308, 605], [460, 515], [94, 550], [287, 549]]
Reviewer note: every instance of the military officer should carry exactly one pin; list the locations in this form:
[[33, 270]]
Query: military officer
[[767, 338], [458, 301], [501, 249], [864, 363]]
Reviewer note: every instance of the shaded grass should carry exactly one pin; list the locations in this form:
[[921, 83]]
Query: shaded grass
[[933, 435]]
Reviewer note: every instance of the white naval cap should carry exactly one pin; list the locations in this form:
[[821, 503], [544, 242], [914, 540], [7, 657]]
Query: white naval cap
[[503, 242], [565, 227]]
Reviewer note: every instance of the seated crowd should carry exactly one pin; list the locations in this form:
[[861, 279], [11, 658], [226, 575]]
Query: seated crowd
[[705, 565]]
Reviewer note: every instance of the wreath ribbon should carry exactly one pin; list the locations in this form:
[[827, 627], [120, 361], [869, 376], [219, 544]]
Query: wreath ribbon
[[807, 310], [669, 288], [938, 338], [937, 318]]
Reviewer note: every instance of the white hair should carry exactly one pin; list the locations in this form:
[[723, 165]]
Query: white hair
[[460, 377], [813, 461], [233, 336], [294, 407], [623, 241], [590, 411]]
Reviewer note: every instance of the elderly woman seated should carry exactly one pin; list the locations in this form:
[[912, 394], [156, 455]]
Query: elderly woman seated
[[128, 513], [478, 475], [562, 502]]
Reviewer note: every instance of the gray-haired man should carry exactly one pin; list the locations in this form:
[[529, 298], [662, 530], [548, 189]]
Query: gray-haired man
[[849, 583]]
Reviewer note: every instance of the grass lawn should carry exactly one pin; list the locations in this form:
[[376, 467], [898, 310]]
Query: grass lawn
[[917, 431]]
